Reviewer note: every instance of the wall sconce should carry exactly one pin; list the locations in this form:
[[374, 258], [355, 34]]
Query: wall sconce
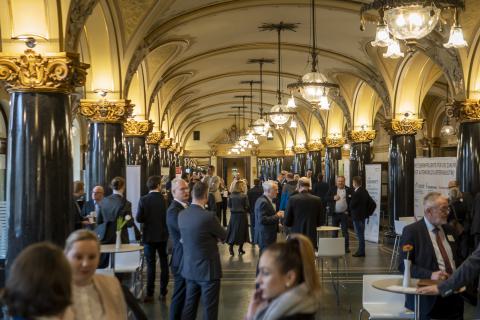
[[102, 92]]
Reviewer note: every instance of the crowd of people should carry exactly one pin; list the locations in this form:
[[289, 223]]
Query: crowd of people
[[192, 216]]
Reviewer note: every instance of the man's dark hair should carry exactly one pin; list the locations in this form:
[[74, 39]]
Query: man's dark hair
[[200, 190], [153, 182], [211, 167], [357, 180], [256, 182]]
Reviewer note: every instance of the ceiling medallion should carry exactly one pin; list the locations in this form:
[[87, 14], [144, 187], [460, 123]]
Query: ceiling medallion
[[334, 141], [133, 128], [362, 135], [106, 111], [411, 20], [34, 72], [404, 126]]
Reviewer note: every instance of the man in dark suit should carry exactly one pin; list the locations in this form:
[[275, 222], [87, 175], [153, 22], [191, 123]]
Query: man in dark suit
[[434, 256], [152, 214], [181, 194], [358, 211], [253, 194], [338, 199], [200, 231], [92, 206], [266, 217], [304, 211]]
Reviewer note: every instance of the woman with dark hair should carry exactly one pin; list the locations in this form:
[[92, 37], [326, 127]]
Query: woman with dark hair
[[237, 231], [288, 285], [39, 284]]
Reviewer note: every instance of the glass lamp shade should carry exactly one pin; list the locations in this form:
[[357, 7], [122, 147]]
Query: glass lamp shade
[[312, 93], [382, 37], [324, 103], [411, 22], [293, 124], [278, 114], [250, 136], [291, 103], [256, 141], [393, 50], [270, 135], [259, 126], [447, 130], [456, 39], [243, 142]]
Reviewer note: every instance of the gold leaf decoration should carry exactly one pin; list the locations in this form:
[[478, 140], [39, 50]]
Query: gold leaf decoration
[[404, 126], [155, 137], [363, 135], [314, 146], [300, 149], [133, 128], [107, 111], [334, 142]]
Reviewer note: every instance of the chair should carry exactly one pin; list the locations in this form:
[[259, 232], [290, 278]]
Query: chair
[[399, 225], [332, 248], [131, 262], [381, 304]]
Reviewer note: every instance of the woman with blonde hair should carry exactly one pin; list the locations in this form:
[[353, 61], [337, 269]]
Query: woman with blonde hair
[[94, 296], [237, 231], [288, 284]]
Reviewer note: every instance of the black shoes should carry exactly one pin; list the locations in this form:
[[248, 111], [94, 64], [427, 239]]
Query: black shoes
[[240, 251], [230, 249], [357, 254]]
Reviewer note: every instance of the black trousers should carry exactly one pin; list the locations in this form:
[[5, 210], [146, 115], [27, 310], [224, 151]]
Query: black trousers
[[206, 291], [218, 212], [224, 210], [341, 219], [151, 250], [178, 296]]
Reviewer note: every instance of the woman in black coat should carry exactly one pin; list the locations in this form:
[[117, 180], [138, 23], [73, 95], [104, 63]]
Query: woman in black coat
[[237, 231]]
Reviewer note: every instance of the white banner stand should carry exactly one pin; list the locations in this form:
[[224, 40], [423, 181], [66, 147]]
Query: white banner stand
[[373, 184]]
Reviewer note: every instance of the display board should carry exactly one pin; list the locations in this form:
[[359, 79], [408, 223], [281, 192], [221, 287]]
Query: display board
[[133, 186], [432, 174], [373, 184]]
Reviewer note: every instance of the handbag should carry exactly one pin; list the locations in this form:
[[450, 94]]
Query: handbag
[[455, 224]]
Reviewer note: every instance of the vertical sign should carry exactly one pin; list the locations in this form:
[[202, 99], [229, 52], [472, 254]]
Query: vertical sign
[[133, 187], [373, 184], [432, 174]]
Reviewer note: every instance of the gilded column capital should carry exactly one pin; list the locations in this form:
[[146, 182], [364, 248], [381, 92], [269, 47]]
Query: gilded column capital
[[173, 146], [334, 142], [213, 151], [255, 152], [314, 146], [134, 128], [300, 148], [406, 126], [155, 137], [362, 135], [465, 111], [166, 142], [34, 72], [107, 111]]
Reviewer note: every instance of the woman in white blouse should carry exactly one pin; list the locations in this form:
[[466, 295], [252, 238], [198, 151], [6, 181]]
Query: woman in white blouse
[[94, 296]]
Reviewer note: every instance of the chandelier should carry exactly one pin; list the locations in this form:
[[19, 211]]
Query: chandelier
[[279, 114], [261, 125], [447, 129], [313, 86], [411, 20]]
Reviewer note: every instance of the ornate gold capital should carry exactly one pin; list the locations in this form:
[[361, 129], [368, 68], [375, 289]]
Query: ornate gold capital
[[33, 72], [108, 111], [314, 146], [133, 128], [155, 137], [363, 135], [397, 127], [173, 146], [288, 152], [465, 111], [255, 152], [334, 142], [166, 142], [300, 149]]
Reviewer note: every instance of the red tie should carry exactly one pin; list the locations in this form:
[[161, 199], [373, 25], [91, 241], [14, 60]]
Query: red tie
[[443, 252]]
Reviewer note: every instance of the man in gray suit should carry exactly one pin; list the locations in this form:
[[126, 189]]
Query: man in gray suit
[[266, 219], [200, 232]]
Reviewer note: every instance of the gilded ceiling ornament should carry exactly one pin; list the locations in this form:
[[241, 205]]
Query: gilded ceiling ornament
[[300, 149], [108, 111], [288, 152], [405, 126], [314, 146], [334, 142], [362, 135], [33, 72], [154, 137], [133, 128], [465, 111], [213, 151]]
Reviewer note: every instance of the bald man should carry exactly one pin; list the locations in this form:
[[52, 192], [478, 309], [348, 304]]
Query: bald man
[[92, 207]]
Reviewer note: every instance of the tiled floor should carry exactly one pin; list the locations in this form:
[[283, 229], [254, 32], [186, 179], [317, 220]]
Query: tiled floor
[[239, 280]]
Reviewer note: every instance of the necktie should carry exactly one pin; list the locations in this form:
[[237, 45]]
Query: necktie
[[443, 252]]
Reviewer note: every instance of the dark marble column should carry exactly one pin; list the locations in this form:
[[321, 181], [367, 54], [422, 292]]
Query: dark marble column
[[401, 167], [106, 149], [333, 153], [153, 154], [468, 152], [315, 158], [135, 134], [360, 152], [39, 161], [300, 160]]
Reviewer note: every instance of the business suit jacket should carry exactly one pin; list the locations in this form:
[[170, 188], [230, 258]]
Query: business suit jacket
[[320, 189], [172, 223], [88, 207], [152, 213], [424, 261], [359, 203], [304, 214], [111, 296], [333, 192], [253, 194], [266, 222], [113, 207], [200, 232]]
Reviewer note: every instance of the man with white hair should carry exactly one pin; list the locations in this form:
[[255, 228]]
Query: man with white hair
[[266, 219], [430, 245]]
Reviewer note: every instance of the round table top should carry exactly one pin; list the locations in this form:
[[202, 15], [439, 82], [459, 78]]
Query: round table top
[[110, 248], [395, 285], [328, 228]]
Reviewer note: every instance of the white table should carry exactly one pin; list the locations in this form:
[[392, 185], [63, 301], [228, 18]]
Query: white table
[[112, 249]]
